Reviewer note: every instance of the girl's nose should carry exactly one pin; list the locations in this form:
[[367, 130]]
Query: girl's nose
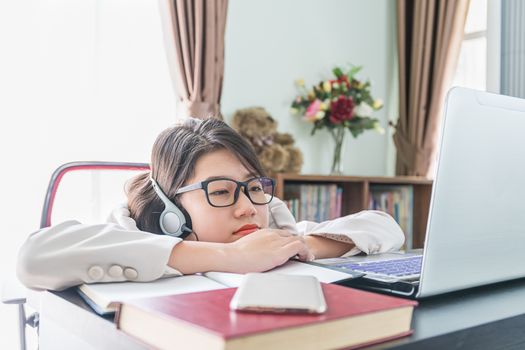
[[244, 207]]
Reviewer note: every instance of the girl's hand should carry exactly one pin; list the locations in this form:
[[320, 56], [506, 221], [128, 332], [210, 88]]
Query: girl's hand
[[265, 249]]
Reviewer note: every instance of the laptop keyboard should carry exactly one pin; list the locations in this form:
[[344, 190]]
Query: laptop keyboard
[[398, 267]]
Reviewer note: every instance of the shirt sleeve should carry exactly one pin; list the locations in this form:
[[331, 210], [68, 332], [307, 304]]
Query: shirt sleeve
[[371, 231], [72, 253], [121, 216]]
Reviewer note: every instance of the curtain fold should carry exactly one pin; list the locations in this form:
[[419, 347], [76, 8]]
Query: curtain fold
[[194, 40], [429, 41]]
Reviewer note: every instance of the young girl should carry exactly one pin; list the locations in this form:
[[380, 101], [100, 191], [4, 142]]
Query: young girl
[[206, 205]]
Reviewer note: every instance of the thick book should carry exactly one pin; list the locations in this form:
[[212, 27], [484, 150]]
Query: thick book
[[103, 297], [203, 320]]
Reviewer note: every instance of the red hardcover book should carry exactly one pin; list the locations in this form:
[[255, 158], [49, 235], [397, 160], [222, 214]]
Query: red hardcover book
[[204, 320]]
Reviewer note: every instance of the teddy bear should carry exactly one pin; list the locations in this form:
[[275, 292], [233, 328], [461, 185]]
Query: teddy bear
[[276, 151]]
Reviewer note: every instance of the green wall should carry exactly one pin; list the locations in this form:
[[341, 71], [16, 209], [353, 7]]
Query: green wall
[[271, 43]]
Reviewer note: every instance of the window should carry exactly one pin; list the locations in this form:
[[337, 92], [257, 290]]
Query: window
[[471, 70], [84, 79]]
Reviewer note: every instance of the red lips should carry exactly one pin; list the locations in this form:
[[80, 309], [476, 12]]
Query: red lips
[[246, 229]]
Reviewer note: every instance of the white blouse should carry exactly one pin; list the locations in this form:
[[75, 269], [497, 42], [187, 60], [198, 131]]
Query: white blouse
[[72, 253]]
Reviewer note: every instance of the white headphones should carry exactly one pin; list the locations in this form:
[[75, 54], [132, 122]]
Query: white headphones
[[172, 219]]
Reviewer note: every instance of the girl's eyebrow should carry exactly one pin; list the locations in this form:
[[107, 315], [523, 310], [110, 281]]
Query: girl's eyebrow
[[247, 177]]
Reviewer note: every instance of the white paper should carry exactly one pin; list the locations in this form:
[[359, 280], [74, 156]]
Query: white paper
[[290, 268]]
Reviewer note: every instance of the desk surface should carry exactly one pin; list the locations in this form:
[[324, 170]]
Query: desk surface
[[490, 317]]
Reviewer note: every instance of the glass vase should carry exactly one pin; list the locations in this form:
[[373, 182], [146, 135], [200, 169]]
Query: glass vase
[[338, 134]]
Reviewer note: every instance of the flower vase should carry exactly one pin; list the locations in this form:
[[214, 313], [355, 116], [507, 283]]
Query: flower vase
[[338, 134]]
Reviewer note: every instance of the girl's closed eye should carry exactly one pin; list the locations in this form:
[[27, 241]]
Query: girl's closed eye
[[219, 193]]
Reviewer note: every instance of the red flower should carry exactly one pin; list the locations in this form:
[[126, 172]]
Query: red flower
[[342, 109], [343, 80]]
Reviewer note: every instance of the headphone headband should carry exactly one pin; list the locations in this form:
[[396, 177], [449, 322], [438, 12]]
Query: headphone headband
[[159, 192]]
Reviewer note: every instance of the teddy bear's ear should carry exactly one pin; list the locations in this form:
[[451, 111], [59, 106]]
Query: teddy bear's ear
[[235, 121]]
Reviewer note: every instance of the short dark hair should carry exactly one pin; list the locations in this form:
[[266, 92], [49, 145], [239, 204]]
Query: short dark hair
[[173, 158]]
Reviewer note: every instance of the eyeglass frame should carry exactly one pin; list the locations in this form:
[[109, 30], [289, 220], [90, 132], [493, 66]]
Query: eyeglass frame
[[203, 185]]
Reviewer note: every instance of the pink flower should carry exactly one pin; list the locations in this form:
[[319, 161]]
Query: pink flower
[[312, 110]]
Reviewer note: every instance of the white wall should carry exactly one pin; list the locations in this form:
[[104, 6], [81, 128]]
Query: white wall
[[87, 80], [271, 43]]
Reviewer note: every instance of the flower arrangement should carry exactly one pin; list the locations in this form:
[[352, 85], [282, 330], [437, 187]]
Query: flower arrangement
[[338, 104]]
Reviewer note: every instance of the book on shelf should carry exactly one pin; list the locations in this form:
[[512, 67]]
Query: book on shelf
[[398, 201], [104, 297], [314, 202], [203, 320]]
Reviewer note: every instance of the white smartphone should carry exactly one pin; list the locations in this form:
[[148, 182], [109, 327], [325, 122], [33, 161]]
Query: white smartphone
[[278, 293]]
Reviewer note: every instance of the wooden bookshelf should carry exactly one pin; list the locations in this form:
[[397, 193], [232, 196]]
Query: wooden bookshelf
[[356, 191]]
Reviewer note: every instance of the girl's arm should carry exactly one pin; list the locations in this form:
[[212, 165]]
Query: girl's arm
[[368, 231], [322, 247], [71, 253], [257, 252]]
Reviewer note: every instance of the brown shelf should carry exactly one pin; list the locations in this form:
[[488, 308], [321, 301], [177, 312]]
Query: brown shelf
[[356, 192]]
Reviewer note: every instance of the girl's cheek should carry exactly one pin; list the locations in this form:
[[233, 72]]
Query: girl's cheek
[[264, 217]]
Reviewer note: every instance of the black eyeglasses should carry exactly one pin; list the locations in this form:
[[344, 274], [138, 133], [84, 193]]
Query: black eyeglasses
[[224, 192]]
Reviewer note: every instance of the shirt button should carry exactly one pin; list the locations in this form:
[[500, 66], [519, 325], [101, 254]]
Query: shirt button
[[115, 271], [130, 273], [95, 272]]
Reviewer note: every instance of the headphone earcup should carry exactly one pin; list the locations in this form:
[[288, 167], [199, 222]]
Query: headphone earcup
[[187, 227], [172, 221]]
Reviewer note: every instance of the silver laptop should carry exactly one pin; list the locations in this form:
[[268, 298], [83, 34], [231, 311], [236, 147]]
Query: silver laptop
[[476, 226]]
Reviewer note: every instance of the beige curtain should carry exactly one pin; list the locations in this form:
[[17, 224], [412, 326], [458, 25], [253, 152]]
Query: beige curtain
[[429, 40], [194, 38]]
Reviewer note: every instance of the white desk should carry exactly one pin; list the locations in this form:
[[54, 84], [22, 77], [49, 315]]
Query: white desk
[[491, 317]]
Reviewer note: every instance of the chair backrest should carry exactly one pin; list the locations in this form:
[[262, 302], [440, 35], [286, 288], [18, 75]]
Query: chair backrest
[[88, 192]]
